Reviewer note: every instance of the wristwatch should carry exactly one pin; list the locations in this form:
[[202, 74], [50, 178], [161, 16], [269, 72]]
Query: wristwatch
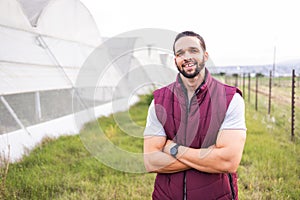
[[174, 150]]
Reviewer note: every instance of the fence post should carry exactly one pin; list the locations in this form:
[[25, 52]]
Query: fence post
[[38, 111], [249, 81], [293, 106], [256, 91], [298, 80], [270, 92], [244, 83]]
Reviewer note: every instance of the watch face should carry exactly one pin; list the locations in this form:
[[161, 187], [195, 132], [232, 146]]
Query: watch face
[[174, 150]]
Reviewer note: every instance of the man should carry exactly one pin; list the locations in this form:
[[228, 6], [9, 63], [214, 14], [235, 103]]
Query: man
[[195, 131]]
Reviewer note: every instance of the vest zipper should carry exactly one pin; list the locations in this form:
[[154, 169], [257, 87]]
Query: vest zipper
[[187, 117], [184, 189], [231, 186]]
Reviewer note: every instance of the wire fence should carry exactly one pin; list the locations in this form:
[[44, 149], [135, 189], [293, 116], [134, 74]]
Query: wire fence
[[276, 97]]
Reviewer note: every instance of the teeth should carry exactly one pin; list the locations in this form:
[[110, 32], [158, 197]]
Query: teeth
[[189, 65]]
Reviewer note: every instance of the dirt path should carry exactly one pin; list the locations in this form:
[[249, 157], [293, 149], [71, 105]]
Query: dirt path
[[279, 95]]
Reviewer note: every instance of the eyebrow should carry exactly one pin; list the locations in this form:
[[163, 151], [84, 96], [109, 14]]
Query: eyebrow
[[179, 51], [192, 48]]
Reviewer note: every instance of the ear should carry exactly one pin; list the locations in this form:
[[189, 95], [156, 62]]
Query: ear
[[175, 61], [206, 56]]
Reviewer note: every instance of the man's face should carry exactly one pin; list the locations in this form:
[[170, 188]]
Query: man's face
[[190, 58]]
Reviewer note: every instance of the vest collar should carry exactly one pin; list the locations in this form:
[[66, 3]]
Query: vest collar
[[203, 86]]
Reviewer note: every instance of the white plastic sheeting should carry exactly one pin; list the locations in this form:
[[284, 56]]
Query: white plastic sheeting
[[39, 58], [44, 43], [17, 143], [11, 15], [63, 19], [44, 46], [33, 9]]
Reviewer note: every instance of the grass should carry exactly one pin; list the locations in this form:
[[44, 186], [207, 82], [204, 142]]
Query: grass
[[4, 167], [65, 169], [269, 168]]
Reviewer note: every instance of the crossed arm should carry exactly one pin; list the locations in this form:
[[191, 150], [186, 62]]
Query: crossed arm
[[222, 157]]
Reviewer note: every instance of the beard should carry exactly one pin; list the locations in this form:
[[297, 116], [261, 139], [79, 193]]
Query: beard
[[199, 67]]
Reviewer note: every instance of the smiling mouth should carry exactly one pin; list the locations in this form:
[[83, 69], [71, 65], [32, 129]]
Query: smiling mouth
[[188, 65]]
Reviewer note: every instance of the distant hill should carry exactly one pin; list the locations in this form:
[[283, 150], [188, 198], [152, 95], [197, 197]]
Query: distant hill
[[283, 68]]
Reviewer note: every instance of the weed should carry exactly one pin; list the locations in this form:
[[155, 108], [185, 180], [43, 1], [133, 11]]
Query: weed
[[64, 169], [4, 167]]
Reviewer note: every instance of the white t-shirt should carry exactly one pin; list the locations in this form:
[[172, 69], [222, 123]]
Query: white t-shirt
[[234, 118]]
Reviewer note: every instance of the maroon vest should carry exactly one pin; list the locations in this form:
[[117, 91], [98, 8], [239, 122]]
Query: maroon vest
[[195, 124]]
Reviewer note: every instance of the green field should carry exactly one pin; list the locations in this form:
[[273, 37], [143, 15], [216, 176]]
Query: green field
[[64, 169]]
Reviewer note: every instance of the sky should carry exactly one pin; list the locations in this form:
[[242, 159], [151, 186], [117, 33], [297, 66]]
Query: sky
[[236, 32]]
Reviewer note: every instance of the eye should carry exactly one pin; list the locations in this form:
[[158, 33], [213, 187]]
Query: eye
[[194, 50], [178, 54]]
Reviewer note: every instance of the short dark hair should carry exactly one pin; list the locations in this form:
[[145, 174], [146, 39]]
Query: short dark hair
[[190, 33]]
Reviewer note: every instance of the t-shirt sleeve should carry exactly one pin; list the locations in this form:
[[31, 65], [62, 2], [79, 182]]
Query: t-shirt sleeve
[[153, 125], [235, 115]]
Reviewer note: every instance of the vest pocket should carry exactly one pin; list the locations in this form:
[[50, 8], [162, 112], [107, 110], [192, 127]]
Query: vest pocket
[[208, 189]]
